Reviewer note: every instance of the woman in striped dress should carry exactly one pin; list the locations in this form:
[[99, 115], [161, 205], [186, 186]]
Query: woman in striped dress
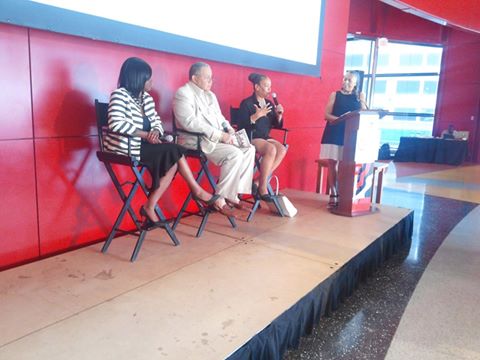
[[131, 112]]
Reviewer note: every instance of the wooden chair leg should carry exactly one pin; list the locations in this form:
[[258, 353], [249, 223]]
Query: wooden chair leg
[[319, 178], [379, 186], [322, 168]]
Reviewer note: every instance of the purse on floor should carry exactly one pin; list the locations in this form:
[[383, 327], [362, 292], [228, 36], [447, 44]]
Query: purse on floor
[[288, 209]]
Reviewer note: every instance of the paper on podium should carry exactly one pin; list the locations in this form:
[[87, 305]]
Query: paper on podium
[[368, 139]]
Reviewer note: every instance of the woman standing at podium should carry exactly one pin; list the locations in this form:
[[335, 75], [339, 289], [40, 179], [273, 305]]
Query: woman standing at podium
[[339, 103]]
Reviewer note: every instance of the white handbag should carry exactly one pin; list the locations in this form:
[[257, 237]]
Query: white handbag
[[287, 207]]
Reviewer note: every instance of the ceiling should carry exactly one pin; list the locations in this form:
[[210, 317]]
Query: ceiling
[[463, 14]]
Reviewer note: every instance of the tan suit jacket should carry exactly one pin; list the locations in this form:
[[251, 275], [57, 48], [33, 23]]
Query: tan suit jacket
[[198, 111]]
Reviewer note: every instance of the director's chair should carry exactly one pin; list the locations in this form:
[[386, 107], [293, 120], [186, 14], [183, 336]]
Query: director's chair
[[109, 159], [199, 155]]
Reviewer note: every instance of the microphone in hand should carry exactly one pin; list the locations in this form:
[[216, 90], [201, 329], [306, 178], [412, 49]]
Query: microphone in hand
[[166, 138], [274, 97], [275, 101], [225, 127]]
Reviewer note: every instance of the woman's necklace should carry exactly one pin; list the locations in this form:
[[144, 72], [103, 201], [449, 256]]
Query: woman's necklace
[[139, 100], [262, 102]]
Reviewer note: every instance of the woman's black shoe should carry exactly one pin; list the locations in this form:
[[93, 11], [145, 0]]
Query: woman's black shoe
[[207, 203], [149, 223], [254, 189], [333, 202], [266, 197]]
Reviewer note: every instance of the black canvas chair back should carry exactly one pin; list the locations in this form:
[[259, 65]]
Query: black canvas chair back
[[235, 120], [198, 154], [234, 117], [109, 159]]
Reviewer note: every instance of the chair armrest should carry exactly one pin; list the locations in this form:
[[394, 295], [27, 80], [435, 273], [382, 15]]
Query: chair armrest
[[192, 133], [285, 133], [188, 132]]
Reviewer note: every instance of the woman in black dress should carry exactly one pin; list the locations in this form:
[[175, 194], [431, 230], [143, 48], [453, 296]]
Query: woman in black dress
[[131, 111], [340, 102], [257, 115]]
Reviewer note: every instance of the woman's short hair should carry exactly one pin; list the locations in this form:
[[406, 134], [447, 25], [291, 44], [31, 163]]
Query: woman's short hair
[[359, 78], [256, 78], [134, 73]]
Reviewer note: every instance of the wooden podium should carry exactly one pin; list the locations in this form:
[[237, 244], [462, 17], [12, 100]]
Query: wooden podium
[[355, 171]]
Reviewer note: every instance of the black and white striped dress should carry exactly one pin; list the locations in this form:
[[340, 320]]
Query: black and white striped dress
[[125, 116]]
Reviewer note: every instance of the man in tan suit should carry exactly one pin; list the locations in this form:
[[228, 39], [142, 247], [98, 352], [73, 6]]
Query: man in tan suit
[[196, 109]]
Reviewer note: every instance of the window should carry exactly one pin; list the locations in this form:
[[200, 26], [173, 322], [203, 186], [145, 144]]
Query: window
[[433, 59], [358, 55], [383, 60], [430, 87], [411, 59], [408, 87], [355, 60], [401, 114], [380, 86], [427, 117]]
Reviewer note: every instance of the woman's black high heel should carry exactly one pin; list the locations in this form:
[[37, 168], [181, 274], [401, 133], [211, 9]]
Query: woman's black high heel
[[333, 202], [254, 189], [149, 223], [209, 202], [265, 197]]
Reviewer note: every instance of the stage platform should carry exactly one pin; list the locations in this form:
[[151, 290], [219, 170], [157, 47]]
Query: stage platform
[[233, 293]]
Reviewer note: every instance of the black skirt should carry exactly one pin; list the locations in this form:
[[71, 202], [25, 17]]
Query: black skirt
[[159, 158]]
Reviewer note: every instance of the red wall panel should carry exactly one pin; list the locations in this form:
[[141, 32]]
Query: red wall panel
[[74, 195], [375, 19], [418, 29], [18, 213], [76, 201], [460, 87], [461, 13], [15, 112]]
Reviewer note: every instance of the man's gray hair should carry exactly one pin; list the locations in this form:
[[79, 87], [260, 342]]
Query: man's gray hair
[[196, 68]]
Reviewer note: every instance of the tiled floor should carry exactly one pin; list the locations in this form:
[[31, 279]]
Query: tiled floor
[[432, 295]]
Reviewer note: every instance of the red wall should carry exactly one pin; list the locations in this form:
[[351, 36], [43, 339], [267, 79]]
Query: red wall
[[460, 13], [459, 101], [55, 194], [459, 90]]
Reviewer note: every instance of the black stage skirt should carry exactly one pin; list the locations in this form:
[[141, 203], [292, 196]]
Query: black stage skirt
[[159, 158]]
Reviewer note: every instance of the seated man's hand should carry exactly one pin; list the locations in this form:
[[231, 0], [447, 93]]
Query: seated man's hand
[[226, 138]]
